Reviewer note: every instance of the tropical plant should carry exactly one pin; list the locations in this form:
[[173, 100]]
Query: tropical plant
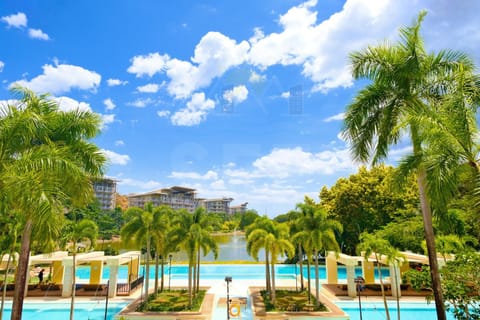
[[46, 164], [161, 241], [407, 85], [74, 233]]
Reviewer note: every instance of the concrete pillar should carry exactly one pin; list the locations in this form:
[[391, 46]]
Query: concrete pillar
[[96, 269], [67, 277], [331, 268], [57, 272], [113, 263], [351, 286], [368, 271], [395, 280]]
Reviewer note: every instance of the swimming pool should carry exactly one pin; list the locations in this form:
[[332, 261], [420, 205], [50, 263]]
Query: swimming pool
[[376, 311], [92, 310], [237, 271]]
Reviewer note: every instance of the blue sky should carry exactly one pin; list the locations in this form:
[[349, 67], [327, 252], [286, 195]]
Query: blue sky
[[198, 93]]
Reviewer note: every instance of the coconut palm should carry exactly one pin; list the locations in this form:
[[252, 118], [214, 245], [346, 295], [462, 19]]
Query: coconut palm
[[369, 244], [405, 80], [139, 230], [161, 219], [46, 164], [75, 232]]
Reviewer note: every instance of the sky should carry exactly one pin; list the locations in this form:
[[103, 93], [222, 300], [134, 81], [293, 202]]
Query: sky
[[241, 99]]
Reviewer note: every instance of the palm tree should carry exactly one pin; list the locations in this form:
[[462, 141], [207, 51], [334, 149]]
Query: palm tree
[[9, 245], [161, 219], [369, 244], [396, 259], [76, 232], [139, 230], [405, 83], [46, 164]]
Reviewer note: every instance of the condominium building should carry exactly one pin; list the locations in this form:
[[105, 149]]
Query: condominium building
[[216, 205], [175, 197], [105, 190], [241, 208]]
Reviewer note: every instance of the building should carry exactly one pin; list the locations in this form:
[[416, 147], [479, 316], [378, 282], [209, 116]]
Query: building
[[175, 197], [105, 190], [242, 208], [216, 205]]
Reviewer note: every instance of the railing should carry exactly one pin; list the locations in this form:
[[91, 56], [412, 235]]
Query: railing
[[125, 288]]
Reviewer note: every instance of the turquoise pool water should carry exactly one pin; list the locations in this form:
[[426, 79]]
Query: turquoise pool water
[[376, 311], [219, 271], [94, 310]]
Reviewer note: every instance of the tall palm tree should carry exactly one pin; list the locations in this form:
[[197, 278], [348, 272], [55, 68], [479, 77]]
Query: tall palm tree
[[161, 219], [369, 244], [396, 259], [139, 230], [405, 80], [76, 232], [46, 163]]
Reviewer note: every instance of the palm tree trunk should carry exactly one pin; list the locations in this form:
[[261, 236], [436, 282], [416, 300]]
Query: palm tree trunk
[[300, 259], [317, 281], [21, 275], [5, 278], [147, 269], [194, 289], [267, 273], [156, 272], [162, 268], [273, 294], [430, 240], [198, 271], [387, 313], [72, 300], [309, 281], [190, 266]]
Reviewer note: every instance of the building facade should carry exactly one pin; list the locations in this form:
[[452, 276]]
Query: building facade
[[105, 191], [175, 197], [242, 208], [220, 205]]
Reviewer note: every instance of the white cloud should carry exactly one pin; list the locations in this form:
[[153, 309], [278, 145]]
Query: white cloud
[[236, 95], [285, 95], [108, 118], [149, 88], [256, 78], [2, 64], [144, 185], [16, 20], [218, 185], [336, 117], [69, 104], [116, 158], [109, 105], [163, 113], [62, 78], [195, 112], [116, 82], [141, 103], [119, 143], [209, 175], [38, 34], [148, 64]]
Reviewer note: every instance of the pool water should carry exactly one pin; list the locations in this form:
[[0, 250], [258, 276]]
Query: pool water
[[94, 310], [219, 271], [376, 311]]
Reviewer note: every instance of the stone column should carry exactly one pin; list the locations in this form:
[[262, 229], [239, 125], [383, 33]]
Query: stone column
[[331, 268], [113, 263], [67, 277], [351, 285]]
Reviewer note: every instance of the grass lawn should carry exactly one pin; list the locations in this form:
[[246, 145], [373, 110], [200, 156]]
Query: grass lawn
[[173, 301], [289, 300]]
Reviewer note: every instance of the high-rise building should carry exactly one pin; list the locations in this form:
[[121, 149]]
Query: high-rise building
[[175, 197], [105, 190], [216, 205]]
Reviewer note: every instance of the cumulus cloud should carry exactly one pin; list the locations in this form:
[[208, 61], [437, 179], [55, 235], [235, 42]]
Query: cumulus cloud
[[149, 88], [138, 184], [2, 64], [163, 113], [148, 64], [195, 112], [116, 82], [236, 95], [38, 34], [109, 105], [16, 20], [119, 143], [115, 158], [256, 78], [209, 175], [62, 78], [69, 104], [336, 117], [108, 118], [285, 95], [141, 103]]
